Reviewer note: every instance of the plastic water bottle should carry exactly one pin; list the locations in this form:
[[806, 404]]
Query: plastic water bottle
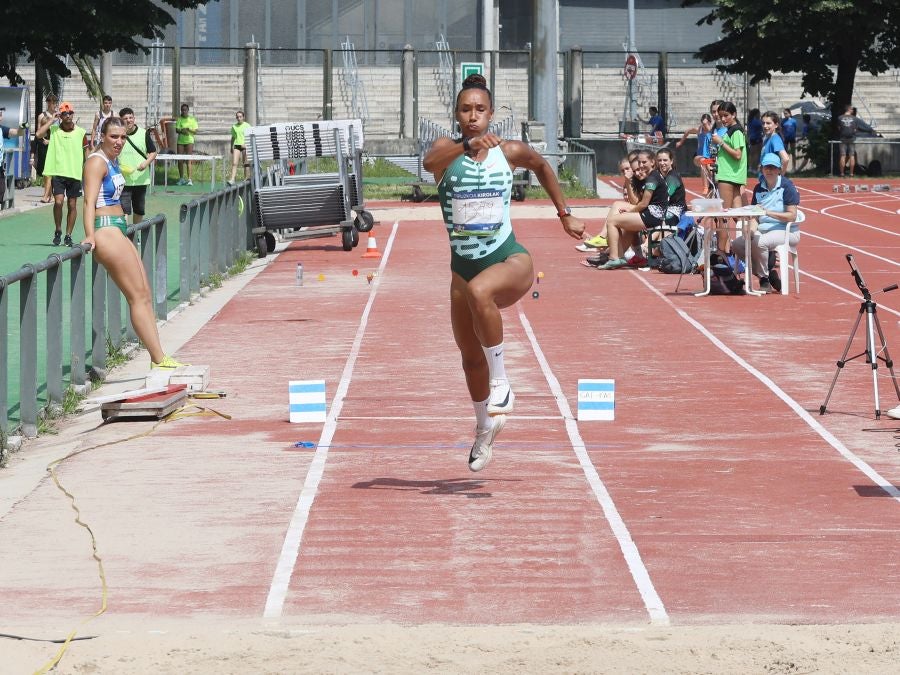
[[299, 274]]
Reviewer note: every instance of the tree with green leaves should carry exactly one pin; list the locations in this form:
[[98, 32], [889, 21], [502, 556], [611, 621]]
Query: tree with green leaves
[[825, 40], [45, 32]]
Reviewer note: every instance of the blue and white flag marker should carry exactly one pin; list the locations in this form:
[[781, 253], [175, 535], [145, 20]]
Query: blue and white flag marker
[[596, 400], [307, 400]]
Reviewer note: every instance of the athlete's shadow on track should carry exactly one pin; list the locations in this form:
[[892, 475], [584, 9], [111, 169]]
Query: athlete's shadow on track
[[451, 486]]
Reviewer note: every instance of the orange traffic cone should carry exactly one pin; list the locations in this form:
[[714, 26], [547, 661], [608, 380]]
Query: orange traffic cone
[[371, 247]]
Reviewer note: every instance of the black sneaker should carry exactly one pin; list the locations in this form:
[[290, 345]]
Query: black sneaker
[[596, 260], [57, 238], [68, 241], [765, 286], [775, 280]]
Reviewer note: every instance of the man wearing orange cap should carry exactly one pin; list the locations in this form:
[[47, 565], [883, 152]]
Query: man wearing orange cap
[[65, 160]]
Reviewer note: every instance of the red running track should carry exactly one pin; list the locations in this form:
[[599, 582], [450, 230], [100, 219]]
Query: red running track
[[717, 495]]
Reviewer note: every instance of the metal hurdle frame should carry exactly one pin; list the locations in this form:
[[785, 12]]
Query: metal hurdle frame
[[307, 205]]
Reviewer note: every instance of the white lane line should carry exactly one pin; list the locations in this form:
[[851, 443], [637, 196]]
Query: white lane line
[[290, 550], [848, 292], [639, 573], [801, 412], [807, 233], [456, 418], [834, 196]]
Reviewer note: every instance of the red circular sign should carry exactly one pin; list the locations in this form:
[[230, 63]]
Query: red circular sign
[[630, 67]]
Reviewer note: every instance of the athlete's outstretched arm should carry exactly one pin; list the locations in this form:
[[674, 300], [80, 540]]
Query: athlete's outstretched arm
[[521, 154]]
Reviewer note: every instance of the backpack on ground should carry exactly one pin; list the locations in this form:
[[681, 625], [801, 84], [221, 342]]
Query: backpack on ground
[[723, 280], [675, 256]]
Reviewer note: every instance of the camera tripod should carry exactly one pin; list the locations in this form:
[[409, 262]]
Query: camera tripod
[[868, 308]]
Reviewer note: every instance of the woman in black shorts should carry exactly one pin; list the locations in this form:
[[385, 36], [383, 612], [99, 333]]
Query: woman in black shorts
[[647, 214]]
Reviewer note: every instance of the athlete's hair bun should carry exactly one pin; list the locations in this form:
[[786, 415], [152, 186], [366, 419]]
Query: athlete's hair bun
[[475, 81]]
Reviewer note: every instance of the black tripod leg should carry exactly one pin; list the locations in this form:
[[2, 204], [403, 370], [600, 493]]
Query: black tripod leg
[[842, 360]]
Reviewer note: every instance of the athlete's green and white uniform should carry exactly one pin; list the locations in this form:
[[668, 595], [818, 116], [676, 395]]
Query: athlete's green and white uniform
[[474, 200]]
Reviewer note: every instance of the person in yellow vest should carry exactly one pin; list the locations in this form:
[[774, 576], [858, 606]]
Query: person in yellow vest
[[136, 162], [186, 127], [238, 148], [65, 160]]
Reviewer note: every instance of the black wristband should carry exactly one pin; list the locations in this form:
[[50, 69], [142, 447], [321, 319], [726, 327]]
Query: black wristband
[[466, 146]]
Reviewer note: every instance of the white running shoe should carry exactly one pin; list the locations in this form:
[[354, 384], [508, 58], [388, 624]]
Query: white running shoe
[[483, 447], [501, 400], [894, 413]]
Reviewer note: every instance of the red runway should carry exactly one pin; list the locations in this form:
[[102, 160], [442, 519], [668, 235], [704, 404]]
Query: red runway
[[718, 494]]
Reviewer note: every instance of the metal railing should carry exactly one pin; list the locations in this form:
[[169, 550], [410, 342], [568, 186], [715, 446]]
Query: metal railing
[[214, 230], [106, 320], [582, 162]]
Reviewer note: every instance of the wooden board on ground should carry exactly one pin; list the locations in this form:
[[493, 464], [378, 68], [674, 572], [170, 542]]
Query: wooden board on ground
[[156, 405]]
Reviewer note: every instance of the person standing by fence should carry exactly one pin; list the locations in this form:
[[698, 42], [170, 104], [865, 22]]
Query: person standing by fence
[[186, 127], [104, 229], [41, 145], [238, 149], [136, 162], [101, 116], [848, 126], [65, 160]]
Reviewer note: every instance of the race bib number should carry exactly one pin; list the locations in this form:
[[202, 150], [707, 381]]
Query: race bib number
[[477, 213], [118, 181]]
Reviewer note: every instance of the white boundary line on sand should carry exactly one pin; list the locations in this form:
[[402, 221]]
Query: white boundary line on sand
[[652, 601], [800, 411], [290, 550]]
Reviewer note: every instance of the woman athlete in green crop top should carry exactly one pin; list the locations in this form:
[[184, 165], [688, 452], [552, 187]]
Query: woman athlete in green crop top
[[490, 270]]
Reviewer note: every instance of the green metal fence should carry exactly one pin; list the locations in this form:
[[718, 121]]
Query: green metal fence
[[63, 322]]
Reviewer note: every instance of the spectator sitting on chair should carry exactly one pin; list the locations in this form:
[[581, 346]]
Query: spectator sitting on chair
[[665, 164], [778, 196], [622, 228], [631, 193]]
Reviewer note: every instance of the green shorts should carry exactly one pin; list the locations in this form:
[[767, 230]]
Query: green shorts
[[468, 269], [112, 221]]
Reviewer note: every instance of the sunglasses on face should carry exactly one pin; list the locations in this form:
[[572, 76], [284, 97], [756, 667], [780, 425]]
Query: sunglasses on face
[[66, 114]]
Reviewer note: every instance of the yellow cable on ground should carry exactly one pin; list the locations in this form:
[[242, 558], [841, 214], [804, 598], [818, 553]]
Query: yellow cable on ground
[[181, 413]]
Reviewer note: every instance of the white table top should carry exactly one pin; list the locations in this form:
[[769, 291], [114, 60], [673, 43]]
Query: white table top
[[186, 157], [738, 212]]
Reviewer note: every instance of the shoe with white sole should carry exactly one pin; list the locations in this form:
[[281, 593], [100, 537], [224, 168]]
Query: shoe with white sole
[[894, 413], [501, 400], [483, 447]]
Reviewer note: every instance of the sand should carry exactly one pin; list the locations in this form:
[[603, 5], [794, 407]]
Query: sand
[[223, 646]]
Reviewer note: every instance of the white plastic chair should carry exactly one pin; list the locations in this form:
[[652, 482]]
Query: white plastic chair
[[785, 250]]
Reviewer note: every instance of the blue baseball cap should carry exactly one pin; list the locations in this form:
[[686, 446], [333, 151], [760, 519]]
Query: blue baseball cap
[[771, 159]]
